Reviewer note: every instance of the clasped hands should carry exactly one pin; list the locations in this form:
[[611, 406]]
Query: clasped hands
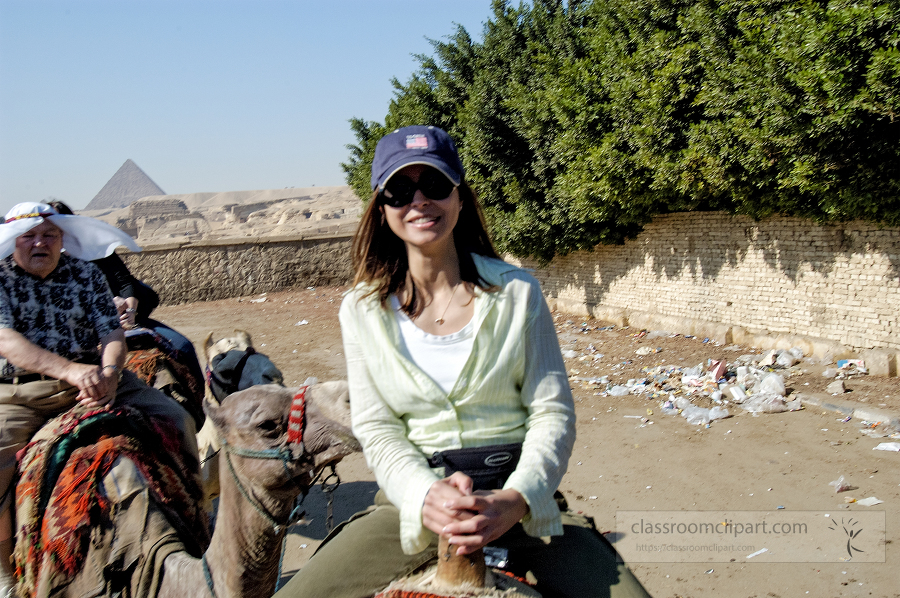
[[470, 519], [96, 386]]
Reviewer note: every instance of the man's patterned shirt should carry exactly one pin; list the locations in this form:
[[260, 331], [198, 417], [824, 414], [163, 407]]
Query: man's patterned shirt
[[66, 313]]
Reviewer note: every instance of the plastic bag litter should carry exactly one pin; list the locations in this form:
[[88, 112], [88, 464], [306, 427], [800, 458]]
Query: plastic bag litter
[[830, 373], [749, 377], [718, 413], [618, 391], [669, 408], [682, 403], [840, 485], [570, 354], [695, 371], [888, 446], [772, 383], [765, 402], [696, 415], [796, 352], [785, 359]]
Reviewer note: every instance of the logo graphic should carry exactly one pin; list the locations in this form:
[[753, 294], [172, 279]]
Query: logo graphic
[[848, 528], [497, 459]]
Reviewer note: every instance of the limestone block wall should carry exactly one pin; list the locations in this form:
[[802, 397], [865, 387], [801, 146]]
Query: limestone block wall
[[736, 279], [209, 270], [780, 282]]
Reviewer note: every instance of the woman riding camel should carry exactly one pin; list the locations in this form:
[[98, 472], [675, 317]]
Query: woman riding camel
[[453, 361]]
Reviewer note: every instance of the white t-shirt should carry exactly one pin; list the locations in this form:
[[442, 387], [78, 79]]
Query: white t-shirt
[[441, 357]]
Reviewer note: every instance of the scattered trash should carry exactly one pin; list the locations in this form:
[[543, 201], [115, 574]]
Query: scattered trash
[[829, 373], [718, 413], [696, 415], [260, 300], [786, 359], [846, 364], [737, 394], [840, 485], [757, 553], [301, 323], [773, 383], [710, 571], [869, 502], [849, 500], [717, 369], [768, 402], [879, 429], [888, 446], [646, 351], [570, 354]]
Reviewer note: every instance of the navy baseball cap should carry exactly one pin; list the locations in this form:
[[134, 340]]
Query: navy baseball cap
[[415, 145]]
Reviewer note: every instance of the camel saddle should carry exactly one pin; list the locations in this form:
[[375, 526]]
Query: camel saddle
[[104, 497]]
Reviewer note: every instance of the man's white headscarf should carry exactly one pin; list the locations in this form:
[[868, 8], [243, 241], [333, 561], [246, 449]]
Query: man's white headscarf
[[86, 238]]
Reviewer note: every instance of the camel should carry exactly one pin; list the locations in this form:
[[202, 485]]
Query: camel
[[267, 474], [232, 364]]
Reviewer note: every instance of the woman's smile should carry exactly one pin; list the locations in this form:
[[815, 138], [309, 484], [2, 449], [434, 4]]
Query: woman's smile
[[424, 222]]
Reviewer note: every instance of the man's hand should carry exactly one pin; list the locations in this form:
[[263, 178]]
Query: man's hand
[[96, 386], [471, 520]]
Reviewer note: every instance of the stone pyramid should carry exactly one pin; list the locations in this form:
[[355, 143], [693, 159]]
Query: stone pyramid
[[129, 184]]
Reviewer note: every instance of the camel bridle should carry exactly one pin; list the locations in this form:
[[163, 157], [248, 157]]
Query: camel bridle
[[296, 426]]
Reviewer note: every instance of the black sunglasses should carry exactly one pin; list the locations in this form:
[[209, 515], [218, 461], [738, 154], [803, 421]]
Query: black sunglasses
[[399, 190]]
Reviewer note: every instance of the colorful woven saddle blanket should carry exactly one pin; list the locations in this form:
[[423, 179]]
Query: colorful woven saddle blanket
[[64, 512]]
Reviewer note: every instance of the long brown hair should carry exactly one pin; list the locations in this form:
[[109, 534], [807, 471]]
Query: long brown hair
[[379, 256]]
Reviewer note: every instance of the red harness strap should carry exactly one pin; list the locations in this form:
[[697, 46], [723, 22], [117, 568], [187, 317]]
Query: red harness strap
[[297, 417]]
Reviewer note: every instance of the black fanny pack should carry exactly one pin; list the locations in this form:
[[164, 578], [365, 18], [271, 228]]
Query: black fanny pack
[[488, 466]]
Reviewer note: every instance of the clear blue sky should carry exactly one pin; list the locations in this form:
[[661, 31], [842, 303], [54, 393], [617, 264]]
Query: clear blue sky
[[203, 95]]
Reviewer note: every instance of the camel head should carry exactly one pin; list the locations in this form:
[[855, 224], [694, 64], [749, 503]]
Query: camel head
[[233, 364], [239, 341], [253, 428]]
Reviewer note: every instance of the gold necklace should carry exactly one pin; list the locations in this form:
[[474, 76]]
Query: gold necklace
[[440, 320]]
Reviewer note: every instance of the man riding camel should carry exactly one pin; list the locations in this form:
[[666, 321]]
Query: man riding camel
[[60, 340]]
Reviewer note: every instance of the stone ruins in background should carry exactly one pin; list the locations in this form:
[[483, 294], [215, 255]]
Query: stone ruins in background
[[134, 203]]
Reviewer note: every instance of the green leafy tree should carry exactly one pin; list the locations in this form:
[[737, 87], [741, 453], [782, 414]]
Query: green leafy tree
[[579, 121]]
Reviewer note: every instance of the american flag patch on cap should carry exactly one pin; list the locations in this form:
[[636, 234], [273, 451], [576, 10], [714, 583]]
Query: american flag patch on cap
[[416, 142]]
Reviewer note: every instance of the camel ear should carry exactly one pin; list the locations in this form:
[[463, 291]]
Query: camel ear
[[245, 336], [214, 412], [208, 343]]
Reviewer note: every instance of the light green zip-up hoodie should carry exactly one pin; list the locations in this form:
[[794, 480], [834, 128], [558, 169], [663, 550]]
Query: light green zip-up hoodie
[[513, 388]]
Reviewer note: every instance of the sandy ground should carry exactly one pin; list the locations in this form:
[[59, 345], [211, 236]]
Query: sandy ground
[[621, 463]]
